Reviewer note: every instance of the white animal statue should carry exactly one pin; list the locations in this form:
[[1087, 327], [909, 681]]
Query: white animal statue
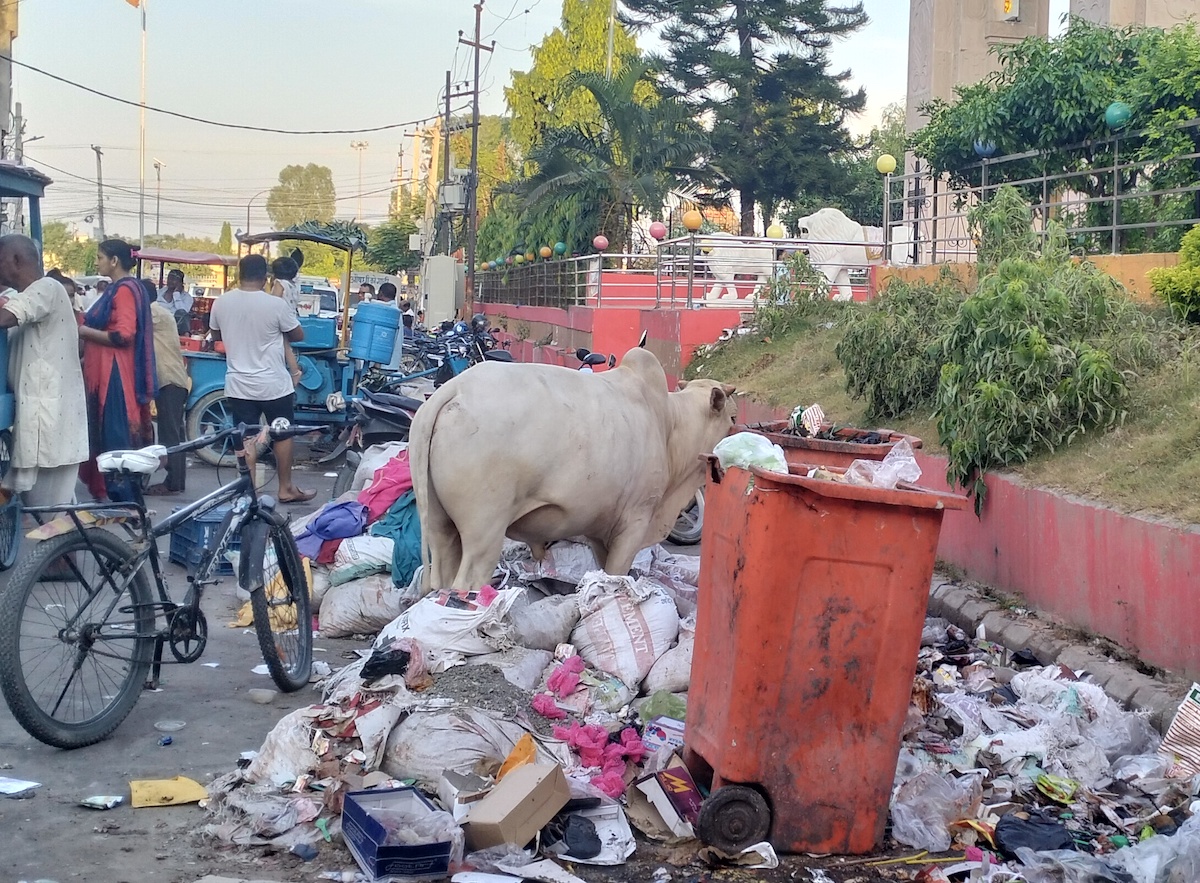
[[725, 261], [540, 453], [834, 260]]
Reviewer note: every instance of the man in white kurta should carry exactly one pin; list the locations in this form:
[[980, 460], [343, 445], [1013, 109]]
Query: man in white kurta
[[50, 437]]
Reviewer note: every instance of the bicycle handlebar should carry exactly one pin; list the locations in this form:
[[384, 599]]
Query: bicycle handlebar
[[246, 430]]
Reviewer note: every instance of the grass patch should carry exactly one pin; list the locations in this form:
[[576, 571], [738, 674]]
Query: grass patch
[[1150, 465]]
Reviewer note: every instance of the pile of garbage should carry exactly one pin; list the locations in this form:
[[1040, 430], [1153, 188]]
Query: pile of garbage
[[541, 718]]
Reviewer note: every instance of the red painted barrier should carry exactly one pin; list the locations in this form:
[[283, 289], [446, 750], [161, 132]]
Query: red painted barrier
[[1128, 578]]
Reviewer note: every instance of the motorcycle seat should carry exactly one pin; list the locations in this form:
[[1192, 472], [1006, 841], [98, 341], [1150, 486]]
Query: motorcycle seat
[[391, 400], [498, 356]]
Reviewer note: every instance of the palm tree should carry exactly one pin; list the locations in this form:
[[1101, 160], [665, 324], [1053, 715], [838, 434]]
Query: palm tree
[[629, 162]]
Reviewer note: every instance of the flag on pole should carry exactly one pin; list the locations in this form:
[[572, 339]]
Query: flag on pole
[[134, 3]]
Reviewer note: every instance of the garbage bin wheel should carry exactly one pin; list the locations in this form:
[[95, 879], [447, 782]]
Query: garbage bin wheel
[[733, 818]]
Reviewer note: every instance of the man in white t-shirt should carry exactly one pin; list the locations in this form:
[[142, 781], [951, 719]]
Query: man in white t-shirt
[[50, 439], [253, 325]]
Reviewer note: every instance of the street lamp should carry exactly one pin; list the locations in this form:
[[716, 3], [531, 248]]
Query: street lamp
[[360, 146], [159, 165], [251, 202]]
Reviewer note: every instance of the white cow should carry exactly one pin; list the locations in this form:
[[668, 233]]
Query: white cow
[[835, 261], [737, 258]]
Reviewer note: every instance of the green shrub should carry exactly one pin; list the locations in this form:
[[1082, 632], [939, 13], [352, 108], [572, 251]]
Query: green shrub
[[795, 301], [1179, 286], [892, 348]]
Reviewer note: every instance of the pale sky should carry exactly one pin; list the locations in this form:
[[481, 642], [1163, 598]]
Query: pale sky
[[298, 64]]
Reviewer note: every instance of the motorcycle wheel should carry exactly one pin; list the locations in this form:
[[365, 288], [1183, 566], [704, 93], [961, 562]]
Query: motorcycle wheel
[[689, 526]]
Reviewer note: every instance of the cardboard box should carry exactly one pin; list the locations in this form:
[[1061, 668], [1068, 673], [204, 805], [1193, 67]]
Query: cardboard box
[[519, 806], [391, 864], [458, 791], [675, 796], [663, 731]]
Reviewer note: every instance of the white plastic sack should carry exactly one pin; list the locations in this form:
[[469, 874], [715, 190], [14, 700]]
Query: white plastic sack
[[360, 556], [899, 465], [286, 753], [426, 743], [746, 449], [521, 667], [673, 671], [321, 584], [448, 634], [566, 561], [360, 607], [626, 625], [544, 623], [372, 458]]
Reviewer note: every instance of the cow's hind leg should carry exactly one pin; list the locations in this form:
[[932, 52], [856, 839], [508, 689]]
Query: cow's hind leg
[[445, 548], [623, 548], [482, 544]]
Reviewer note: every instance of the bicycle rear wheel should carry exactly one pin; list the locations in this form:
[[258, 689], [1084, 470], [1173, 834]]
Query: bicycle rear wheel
[[283, 610], [76, 638], [10, 532]]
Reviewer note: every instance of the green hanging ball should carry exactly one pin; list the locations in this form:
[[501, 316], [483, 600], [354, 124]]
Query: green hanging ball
[[560, 248], [1118, 115]]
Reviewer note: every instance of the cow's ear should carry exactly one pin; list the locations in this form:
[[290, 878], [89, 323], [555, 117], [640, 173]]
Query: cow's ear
[[718, 399], [727, 389], [681, 384]]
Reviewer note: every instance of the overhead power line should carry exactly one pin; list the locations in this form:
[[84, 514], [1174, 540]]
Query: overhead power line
[[219, 124]]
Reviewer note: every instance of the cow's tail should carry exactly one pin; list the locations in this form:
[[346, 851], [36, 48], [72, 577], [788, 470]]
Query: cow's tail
[[432, 514]]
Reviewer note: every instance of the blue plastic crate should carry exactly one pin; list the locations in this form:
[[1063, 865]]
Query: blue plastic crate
[[193, 538]]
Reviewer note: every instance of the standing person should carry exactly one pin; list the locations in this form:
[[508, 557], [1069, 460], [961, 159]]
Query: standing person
[[387, 294], [176, 299], [253, 326], [118, 369], [284, 271], [366, 292], [49, 439], [173, 387]]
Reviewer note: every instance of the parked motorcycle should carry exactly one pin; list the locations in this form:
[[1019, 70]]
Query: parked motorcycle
[[591, 362]]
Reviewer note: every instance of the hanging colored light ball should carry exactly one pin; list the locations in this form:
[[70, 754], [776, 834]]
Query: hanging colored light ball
[[775, 232], [529, 256], [560, 248], [508, 261], [658, 230], [886, 164], [985, 149], [545, 251], [600, 242], [693, 220], [1117, 115], [519, 259]]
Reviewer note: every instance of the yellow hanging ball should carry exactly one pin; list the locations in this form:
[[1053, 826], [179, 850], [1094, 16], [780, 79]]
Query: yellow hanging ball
[[886, 164], [546, 251], [693, 220], [774, 232]]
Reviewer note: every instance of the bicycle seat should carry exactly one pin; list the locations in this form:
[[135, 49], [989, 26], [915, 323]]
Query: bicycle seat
[[141, 462], [392, 400]]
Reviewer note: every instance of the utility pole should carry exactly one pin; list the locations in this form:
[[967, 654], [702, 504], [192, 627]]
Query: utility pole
[[142, 138], [612, 30], [99, 190], [473, 183], [8, 32], [360, 146], [159, 165]]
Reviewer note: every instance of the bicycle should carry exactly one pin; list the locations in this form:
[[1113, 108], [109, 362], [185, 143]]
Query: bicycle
[[80, 629]]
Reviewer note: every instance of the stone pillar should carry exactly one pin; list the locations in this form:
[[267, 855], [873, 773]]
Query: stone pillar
[[1153, 13]]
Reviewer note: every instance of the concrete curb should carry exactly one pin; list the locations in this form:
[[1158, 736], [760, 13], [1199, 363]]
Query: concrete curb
[[968, 608]]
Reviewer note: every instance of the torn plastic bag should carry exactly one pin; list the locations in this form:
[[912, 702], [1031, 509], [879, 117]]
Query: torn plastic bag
[[1067, 866], [286, 754], [449, 633], [924, 806], [1161, 859], [899, 465]]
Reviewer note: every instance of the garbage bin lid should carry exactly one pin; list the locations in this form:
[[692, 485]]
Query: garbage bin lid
[[903, 495]]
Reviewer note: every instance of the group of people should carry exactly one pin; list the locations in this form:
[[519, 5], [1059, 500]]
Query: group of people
[[119, 357]]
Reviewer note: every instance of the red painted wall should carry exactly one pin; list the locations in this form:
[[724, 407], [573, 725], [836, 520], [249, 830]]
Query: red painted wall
[[1130, 579]]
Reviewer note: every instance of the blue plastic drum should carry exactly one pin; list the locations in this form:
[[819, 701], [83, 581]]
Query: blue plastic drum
[[373, 332]]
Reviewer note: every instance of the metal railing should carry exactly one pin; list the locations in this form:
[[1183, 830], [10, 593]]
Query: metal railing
[[1120, 197], [704, 270]]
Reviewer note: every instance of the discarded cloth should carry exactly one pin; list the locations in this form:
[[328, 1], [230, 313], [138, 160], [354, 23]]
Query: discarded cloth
[[334, 521], [389, 482], [402, 525]]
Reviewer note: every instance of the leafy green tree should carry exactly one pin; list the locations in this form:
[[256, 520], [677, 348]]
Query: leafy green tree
[[626, 162], [496, 157], [225, 240], [60, 248], [537, 99], [304, 193], [388, 250], [759, 69]]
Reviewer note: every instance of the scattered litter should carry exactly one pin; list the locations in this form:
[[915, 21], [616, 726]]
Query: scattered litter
[[760, 855], [1182, 741], [102, 802], [211, 664], [260, 669], [304, 851], [17, 787], [398, 834], [544, 871], [165, 740], [171, 726], [262, 695], [165, 792]]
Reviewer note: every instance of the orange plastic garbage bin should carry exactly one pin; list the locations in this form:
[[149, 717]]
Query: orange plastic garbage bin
[[812, 600]]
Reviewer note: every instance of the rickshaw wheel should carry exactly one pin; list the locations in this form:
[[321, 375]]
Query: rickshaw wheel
[[210, 414]]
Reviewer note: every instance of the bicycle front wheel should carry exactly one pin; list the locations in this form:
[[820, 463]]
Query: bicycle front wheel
[[76, 638], [282, 609]]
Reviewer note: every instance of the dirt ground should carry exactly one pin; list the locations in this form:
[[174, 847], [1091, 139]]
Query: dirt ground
[[49, 837]]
